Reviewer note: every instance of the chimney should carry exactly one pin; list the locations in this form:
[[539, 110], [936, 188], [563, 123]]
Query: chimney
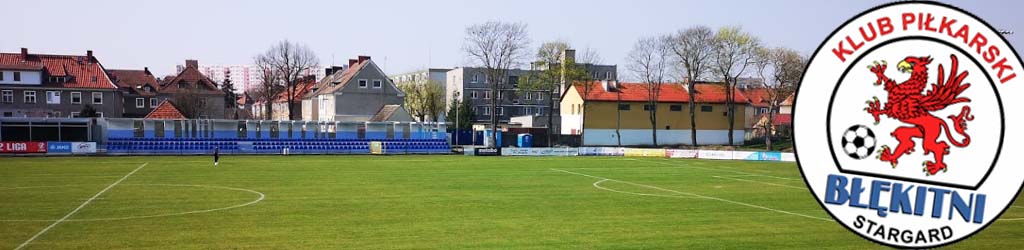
[[146, 69], [24, 53], [363, 58], [568, 54], [88, 53], [352, 62], [192, 64]]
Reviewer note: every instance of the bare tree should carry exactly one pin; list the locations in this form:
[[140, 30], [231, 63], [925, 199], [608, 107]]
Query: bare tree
[[781, 69], [734, 51], [190, 102], [649, 61], [693, 48], [291, 61], [497, 47], [588, 56], [269, 85]]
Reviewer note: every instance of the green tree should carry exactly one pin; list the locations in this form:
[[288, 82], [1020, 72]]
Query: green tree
[[552, 72], [734, 50], [424, 99], [87, 111], [230, 98], [460, 113]]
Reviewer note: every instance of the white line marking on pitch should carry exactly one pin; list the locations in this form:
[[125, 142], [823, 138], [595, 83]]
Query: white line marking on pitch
[[697, 195], [260, 197], [598, 186], [79, 207], [760, 182], [718, 169]]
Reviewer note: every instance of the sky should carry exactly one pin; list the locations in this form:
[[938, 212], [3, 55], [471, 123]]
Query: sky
[[404, 36]]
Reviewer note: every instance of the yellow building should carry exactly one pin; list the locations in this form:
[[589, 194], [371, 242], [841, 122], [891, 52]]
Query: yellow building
[[603, 111]]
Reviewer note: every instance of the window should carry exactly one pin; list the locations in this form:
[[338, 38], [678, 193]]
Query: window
[[529, 96], [474, 79], [99, 114], [499, 95], [17, 76], [362, 83], [513, 81], [52, 97], [540, 96], [275, 130], [573, 110], [472, 94], [94, 79], [624, 107], [487, 94], [1, 75], [74, 114], [608, 75], [158, 129], [97, 98], [500, 111], [648, 107], [763, 110], [485, 110], [377, 83], [138, 128], [140, 102], [177, 129], [705, 108], [8, 96], [76, 97], [527, 111], [30, 97], [152, 102], [675, 108]]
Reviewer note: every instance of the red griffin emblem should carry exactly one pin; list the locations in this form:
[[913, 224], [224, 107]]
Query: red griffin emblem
[[907, 103]]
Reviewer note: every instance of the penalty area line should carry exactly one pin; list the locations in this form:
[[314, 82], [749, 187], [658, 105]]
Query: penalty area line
[[694, 195], [62, 219]]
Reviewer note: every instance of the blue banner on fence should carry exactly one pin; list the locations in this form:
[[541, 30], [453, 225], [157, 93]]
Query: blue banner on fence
[[58, 147]]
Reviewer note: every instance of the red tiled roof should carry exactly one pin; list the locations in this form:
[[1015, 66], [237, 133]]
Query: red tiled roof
[[166, 111], [779, 119], [190, 77], [244, 99], [670, 92], [81, 70], [134, 80], [336, 81], [759, 97], [303, 87]]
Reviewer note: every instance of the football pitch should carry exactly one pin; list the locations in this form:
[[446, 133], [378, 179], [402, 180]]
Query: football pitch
[[422, 202]]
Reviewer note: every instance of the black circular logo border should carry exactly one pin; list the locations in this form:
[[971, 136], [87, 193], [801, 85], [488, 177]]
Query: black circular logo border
[[795, 105]]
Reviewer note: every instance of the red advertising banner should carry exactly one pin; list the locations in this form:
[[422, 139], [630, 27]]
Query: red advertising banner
[[22, 147]]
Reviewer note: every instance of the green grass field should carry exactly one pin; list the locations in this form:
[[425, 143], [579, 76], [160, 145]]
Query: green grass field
[[401, 202]]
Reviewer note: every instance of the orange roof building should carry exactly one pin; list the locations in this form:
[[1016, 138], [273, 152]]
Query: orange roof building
[[47, 85], [608, 113]]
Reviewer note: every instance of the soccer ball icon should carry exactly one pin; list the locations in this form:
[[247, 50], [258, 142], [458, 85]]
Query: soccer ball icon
[[858, 142]]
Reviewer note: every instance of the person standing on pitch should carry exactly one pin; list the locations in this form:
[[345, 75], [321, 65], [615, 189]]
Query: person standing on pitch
[[216, 156]]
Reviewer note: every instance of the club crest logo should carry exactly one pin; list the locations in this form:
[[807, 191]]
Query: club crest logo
[[900, 125]]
